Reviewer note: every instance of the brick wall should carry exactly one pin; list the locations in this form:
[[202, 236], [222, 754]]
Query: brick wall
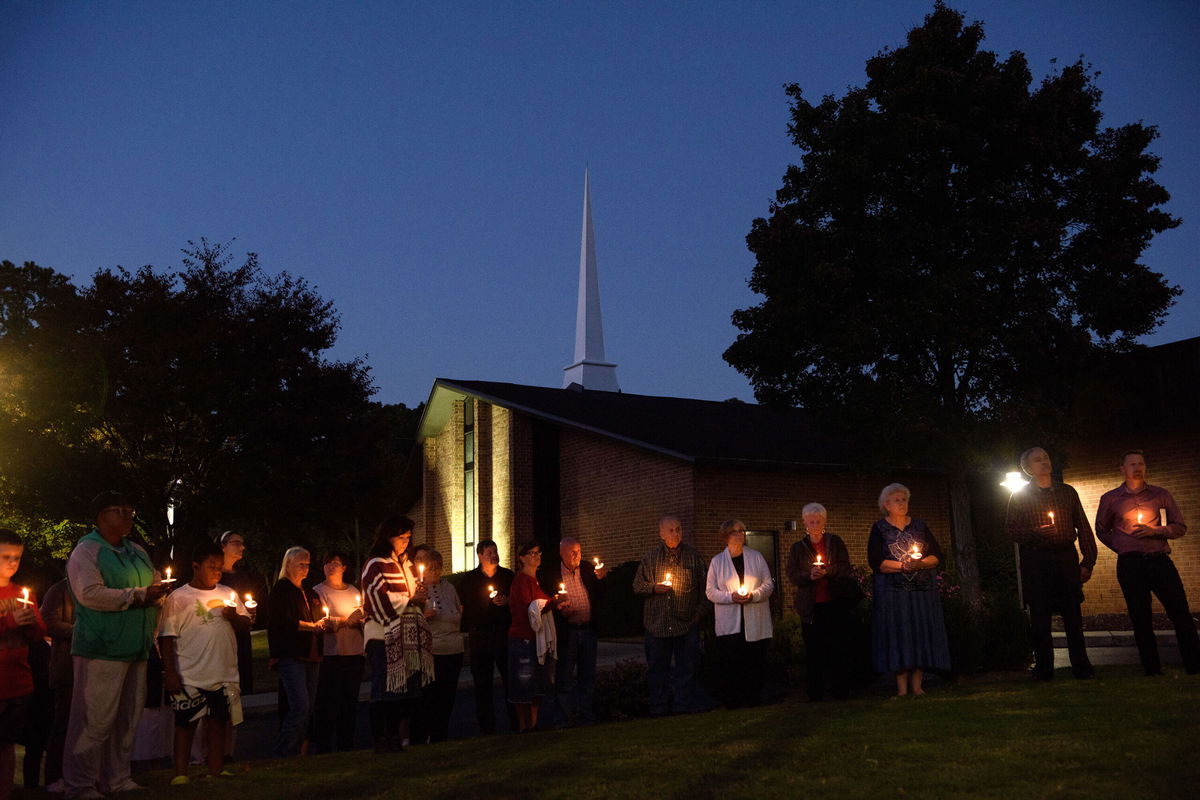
[[442, 489], [613, 494], [766, 500], [1173, 462]]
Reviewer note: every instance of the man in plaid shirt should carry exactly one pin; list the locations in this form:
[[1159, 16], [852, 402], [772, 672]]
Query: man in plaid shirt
[[671, 577], [1045, 519]]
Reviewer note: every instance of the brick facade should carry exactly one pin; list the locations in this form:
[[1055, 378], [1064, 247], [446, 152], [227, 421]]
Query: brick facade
[[613, 493]]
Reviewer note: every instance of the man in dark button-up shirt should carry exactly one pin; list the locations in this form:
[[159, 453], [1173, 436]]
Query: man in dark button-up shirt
[[483, 593], [1045, 520], [671, 577], [1135, 521]]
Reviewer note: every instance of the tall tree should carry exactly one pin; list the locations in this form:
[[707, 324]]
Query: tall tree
[[951, 248], [208, 387]]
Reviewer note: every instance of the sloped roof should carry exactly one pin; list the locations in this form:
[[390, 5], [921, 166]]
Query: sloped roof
[[698, 431]]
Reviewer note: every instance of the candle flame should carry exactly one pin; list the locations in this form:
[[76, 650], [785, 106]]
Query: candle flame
[[168, 573], [562, 588], [326, 610]]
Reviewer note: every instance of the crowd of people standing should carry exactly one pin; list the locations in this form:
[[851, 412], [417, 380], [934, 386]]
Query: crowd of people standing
[[536, 626]]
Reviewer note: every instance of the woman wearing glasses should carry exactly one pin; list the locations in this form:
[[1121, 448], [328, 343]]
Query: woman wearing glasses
[[531, 644]]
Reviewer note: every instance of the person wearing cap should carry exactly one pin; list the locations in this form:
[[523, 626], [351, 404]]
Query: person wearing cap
[[116, 591]]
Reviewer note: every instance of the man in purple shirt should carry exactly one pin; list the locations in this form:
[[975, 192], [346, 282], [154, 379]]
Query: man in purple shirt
[[1135, 521]]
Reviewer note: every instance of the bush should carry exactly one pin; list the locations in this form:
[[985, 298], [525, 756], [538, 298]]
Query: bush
[[621, 691], [993, 637]]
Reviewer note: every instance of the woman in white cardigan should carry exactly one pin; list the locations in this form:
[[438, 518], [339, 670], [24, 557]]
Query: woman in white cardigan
[[739, 587]]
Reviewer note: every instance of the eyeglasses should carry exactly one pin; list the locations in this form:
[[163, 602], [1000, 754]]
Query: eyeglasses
[[124, 511]]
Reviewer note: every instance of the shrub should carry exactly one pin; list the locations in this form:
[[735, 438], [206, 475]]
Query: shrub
[[621, 691]]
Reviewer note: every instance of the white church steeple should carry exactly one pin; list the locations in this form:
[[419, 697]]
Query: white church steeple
[[590, 370]]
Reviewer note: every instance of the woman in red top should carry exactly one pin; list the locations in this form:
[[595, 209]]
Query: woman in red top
[[529, 674], [816, 562]]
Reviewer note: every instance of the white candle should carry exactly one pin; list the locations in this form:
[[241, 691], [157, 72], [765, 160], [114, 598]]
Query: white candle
[[818, 562], [491, 591], [168, 579], [250, 601], [1051, 515], [667, 580], [358, 601], [599, 564], [24, 598], [232, 601], [562, 588], [1162, 516], [742, 590], [916, 554], [326, 610], [1139, 518]]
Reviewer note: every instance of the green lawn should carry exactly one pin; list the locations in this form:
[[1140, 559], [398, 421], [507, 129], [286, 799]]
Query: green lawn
[[1119, 736]]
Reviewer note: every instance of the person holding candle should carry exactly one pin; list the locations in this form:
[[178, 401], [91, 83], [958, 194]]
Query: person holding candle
[[342, 660], [293, 640], [671, 577], [1137, 521], [582, 584], [444, 613], [739, 586], [399, 641], [483, 593], [1046, 519], [239, 577], [819, 567], [908, 630], [58, 612], [531, 641], [20, 625], [117, 592], [199, 653]]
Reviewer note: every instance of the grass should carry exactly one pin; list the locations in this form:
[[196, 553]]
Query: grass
[[1120, 735]]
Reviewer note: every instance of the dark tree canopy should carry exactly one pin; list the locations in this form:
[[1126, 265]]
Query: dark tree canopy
[[953, 245], [948, 226], [211, 380]]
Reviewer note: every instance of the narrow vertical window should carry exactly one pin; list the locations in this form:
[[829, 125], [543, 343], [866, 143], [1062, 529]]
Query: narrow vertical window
[[470, 519]]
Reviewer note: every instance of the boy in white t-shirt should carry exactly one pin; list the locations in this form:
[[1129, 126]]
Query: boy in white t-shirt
[[199, 655]]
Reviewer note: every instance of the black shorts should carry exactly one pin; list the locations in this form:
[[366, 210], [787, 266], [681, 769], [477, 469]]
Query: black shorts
[[13, 713], [192, 704]]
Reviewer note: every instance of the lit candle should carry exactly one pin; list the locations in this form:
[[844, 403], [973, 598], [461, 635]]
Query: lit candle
[[818, 562], [1051, 515], [599, 564], [491, 591], [667, 580], [250, 601], [916, 553], [421, 572], [562, 588], [1162, 516], [742, 590], [24, 598], [168, 579], [1139, 518], [232, 601], [326, 610], [358, 601]]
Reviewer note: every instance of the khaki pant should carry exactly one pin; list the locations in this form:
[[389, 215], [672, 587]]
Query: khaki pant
[[106, 705]]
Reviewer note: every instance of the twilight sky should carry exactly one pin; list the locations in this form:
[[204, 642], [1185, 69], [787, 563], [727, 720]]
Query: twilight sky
[[422, 164]]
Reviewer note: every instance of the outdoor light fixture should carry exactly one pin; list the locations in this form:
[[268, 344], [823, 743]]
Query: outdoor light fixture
[[1014, 482]]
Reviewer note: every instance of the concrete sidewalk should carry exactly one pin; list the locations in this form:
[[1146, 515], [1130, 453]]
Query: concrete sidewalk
[[608, 653], [1109, 648]]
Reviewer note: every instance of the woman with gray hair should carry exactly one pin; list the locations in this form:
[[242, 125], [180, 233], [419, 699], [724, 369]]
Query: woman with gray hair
[[819, 567], [293, 642], [908, 632]]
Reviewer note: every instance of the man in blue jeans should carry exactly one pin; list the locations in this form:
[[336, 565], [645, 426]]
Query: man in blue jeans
[[575, 627], [671, 577]]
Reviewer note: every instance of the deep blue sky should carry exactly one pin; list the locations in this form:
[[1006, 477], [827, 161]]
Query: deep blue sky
[[422, 164]]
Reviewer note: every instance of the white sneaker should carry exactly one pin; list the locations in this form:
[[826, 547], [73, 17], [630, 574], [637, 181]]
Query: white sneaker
[[58, 787], [125, 785]]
